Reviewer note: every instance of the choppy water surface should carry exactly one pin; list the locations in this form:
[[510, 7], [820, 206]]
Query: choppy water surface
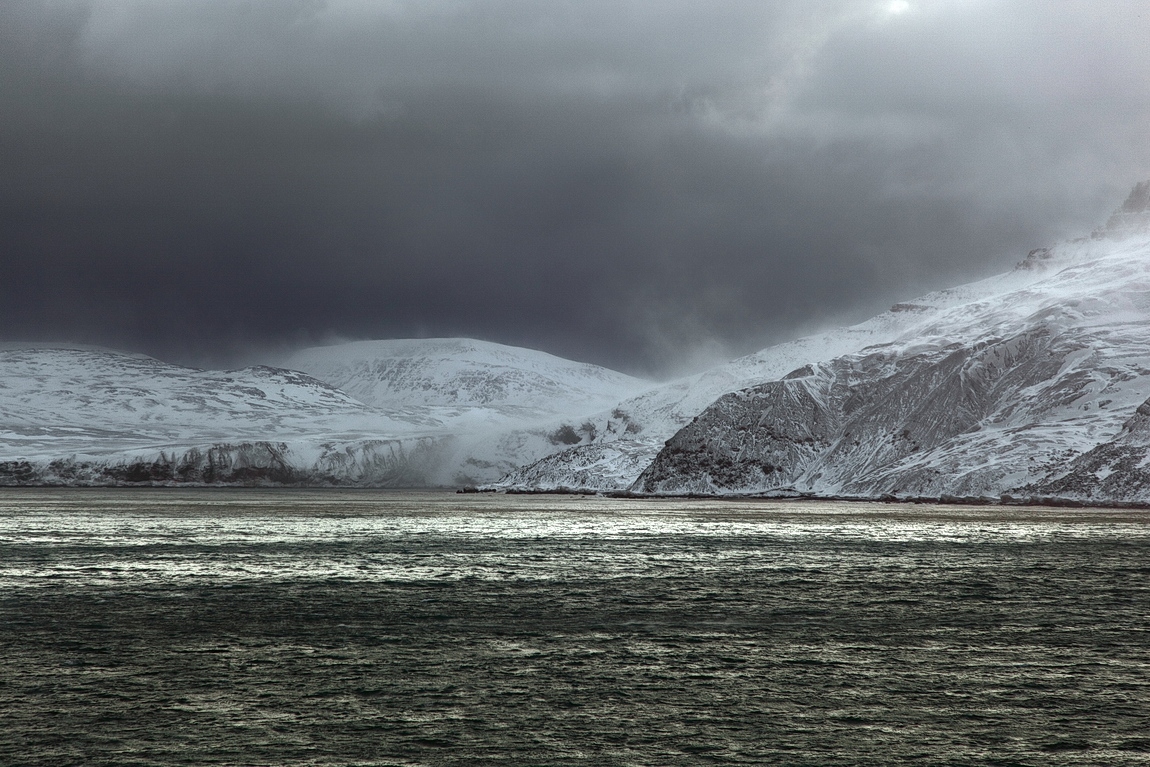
[[340, 628]]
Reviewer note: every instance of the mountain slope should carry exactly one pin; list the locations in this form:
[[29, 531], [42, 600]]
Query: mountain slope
[[645, 422], [973, 390], [116, 396], [94, 416], [986, 397], [451, 414], [504, 406], [1117, 470], [456, 376]]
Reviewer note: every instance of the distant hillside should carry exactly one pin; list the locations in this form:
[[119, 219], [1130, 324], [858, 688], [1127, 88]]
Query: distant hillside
[[458, 373], [445, 413]]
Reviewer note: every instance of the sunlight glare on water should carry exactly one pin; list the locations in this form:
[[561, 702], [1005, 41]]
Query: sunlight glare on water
[[338, 627]]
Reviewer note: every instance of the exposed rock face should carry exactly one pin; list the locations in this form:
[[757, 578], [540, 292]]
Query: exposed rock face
[[367, 463], [246, 464], [1133, 217], [996, 396], [411, 461], [1116, 470], [593, 467], [951, 419]]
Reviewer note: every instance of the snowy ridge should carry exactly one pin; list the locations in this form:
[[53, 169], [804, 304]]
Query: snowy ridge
[[83, 415], [993, 396], [645, 422], [51, 396], [456, 376], [502, 405], [1024, 371]]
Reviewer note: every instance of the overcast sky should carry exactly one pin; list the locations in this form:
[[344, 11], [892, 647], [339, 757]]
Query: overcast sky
[[644, 184]]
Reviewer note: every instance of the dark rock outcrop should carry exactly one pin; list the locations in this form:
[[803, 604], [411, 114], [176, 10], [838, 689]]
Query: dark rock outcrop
[[1116, 470]]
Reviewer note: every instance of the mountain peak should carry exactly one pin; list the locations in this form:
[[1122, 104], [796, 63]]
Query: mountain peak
[[1132, 217], [463, 372], [1139, 199]]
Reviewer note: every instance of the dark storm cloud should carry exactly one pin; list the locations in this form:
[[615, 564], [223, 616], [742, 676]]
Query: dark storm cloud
[[630, 183]]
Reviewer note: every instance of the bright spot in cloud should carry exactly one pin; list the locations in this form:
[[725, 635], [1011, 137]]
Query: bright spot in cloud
[[895, 7]]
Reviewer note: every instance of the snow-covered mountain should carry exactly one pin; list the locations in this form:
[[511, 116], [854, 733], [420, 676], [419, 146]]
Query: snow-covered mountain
[[51, 396], [642, 424], [96, 416], [451, 412], [1034, 383], [1030, 387], [504, 406], [461, 379], [984, 389]]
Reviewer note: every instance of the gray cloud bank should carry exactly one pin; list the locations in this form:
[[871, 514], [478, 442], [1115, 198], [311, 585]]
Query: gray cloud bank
[[630, 183]]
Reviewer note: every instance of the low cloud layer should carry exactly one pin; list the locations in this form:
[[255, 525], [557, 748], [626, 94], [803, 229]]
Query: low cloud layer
[[639, 184]]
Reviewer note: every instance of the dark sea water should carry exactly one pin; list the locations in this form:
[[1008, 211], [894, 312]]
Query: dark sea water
[[142, 627]]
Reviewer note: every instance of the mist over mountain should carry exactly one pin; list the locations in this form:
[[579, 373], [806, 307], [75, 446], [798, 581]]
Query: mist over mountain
[[1029, 384], [1034, 384]]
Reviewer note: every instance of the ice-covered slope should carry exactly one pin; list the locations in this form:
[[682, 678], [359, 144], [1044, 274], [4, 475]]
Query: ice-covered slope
[[1117, 470], [989, 396], [1080, 304], [643, 423], [51, 397], [93, 416], [460, 379], [449, 412], [504, 406]]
